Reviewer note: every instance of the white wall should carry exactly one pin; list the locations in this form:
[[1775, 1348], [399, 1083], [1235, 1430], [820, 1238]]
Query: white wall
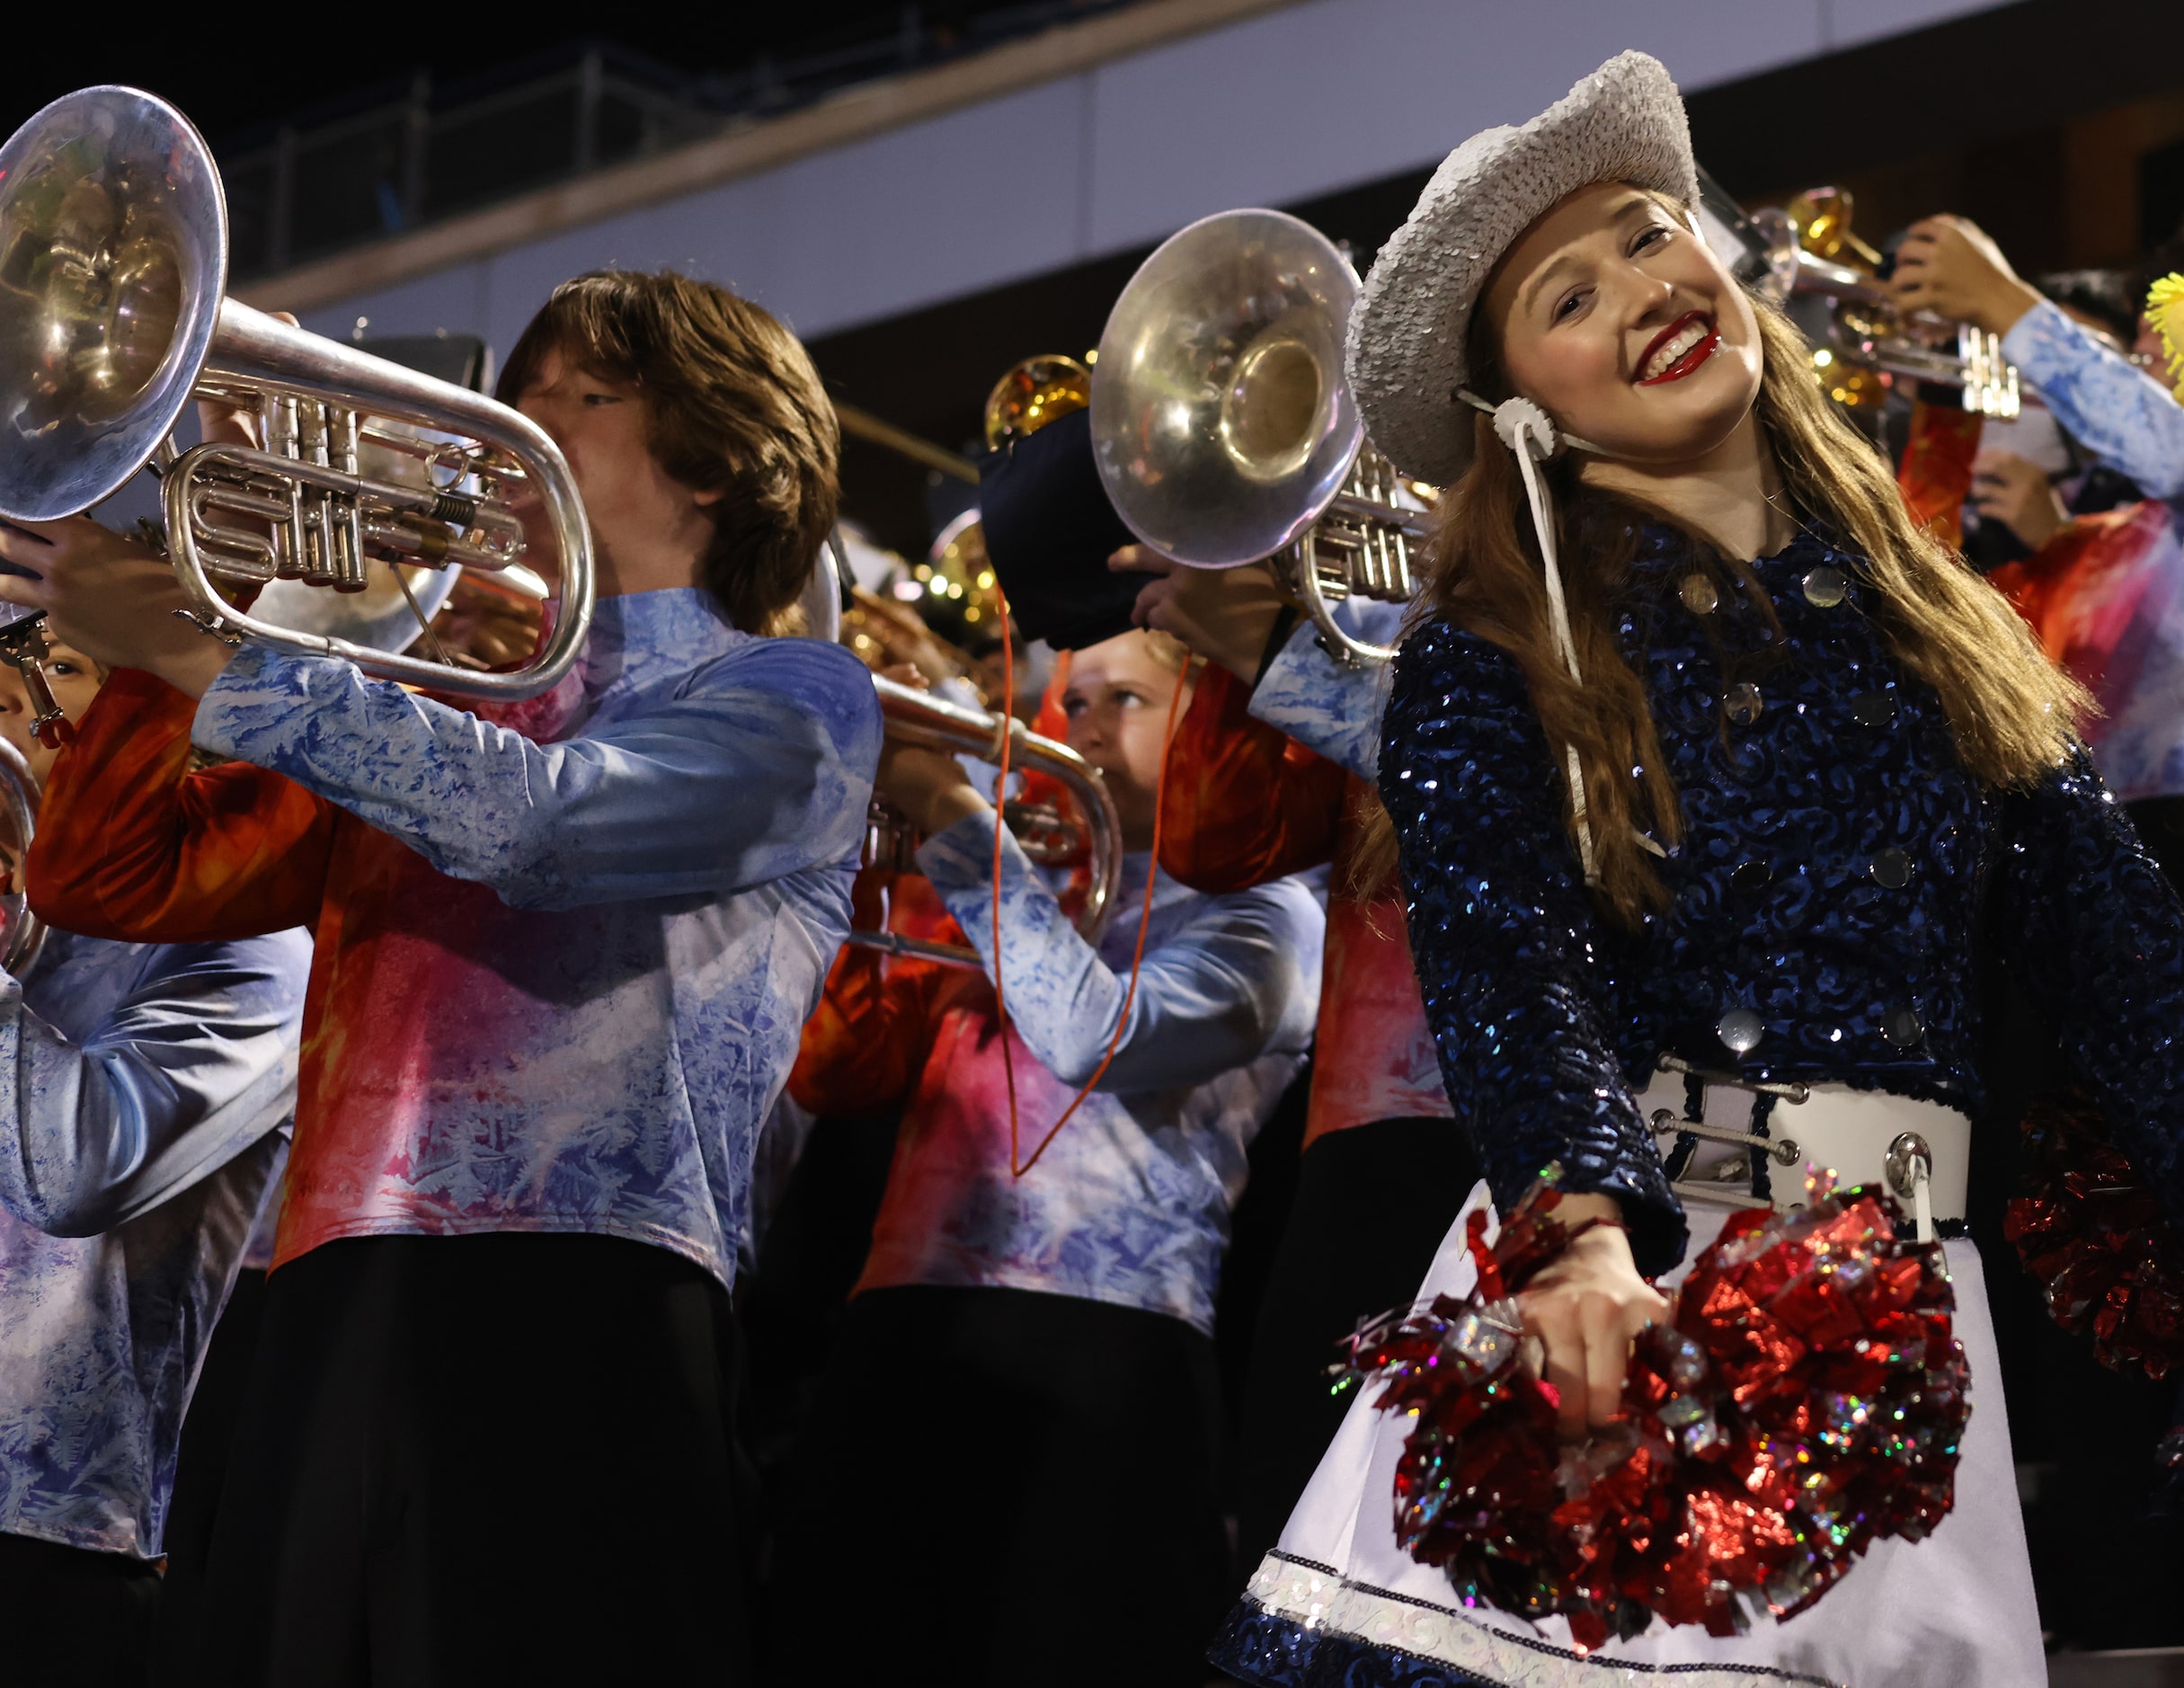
[[1281, 107]]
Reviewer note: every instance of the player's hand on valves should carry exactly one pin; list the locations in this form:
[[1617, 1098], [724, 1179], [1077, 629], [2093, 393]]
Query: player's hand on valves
[[1585, 1310], [110, 596], [2018, 494], [1224, 615], [930, 786], [1948, 265]]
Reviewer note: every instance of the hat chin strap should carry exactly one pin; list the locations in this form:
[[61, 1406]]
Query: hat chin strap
[[1527, 431]]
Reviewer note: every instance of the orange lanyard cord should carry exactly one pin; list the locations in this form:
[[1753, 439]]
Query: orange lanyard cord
[[1000, 803]]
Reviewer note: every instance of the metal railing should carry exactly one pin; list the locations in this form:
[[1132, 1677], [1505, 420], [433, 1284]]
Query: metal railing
[[396, 158]]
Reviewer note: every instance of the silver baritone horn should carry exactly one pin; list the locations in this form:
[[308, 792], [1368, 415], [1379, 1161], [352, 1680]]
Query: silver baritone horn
[[113, 260], [1224, 431]]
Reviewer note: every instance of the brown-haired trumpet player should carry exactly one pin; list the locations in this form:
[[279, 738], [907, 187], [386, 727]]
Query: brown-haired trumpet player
[[563, 953]]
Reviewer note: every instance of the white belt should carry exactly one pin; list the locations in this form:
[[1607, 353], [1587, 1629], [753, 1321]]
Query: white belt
[[1753, 1140]]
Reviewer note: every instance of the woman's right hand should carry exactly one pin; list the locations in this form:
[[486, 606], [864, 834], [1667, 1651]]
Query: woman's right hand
[[1586, 1308]]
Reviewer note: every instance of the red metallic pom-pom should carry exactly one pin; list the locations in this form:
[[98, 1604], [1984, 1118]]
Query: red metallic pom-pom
[[2092, 1236], [1806, 1398]]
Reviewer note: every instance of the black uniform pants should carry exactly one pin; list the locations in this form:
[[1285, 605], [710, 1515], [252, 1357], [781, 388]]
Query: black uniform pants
[[1372, 1205], [74, 1619], [467, 1460], [999, 1488]]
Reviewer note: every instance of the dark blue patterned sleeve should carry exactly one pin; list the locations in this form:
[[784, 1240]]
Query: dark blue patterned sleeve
[[2094, 936], [1506, 940]]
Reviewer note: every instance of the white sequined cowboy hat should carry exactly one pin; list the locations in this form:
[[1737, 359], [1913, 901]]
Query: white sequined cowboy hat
[[1405, 360]]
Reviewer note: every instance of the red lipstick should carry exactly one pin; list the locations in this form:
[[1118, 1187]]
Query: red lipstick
[[1691, 360]]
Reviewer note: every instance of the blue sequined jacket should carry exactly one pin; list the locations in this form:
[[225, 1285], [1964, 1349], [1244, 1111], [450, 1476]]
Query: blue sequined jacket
[[1836, 865]]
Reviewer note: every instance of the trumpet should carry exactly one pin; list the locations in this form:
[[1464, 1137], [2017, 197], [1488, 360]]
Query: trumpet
[[917, 718], [1225, 433], [1046, 834], [1805, 259], [113, 255]]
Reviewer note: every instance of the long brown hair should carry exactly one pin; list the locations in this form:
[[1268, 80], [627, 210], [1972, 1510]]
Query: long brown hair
[[732, 402], [2012, 712]]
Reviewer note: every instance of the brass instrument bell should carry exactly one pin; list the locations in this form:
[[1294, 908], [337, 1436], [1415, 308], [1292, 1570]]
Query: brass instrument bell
[[1224, 431], [1821, 217], [1033, 393], [958, 582], [113, 260]]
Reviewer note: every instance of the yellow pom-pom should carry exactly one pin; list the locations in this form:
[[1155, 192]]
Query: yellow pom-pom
[[2165, 310]]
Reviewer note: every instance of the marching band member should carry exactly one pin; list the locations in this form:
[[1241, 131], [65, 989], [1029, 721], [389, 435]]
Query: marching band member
[[1385, 1168], [1735, 805], [2119, 413], [2096, 569], [2099, 587], [145, 1090], [1023, 1410], [563, 949]]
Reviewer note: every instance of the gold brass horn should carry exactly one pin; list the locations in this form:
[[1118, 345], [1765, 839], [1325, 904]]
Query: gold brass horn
[[1223, 429], [915, 717], [1033, 393], [113, 258]]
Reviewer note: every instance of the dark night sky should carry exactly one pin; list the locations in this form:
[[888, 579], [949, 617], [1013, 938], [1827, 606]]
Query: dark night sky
[[233, 70]]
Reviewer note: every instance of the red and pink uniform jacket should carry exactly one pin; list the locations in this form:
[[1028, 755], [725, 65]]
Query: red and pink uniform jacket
[[559, 971], [1245, 803]]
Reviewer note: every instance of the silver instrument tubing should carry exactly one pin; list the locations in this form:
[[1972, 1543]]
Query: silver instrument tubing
[[113, 318], [1854, 1133], [912, 717]]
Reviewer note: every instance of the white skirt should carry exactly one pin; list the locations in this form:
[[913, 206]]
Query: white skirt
[[1339, 1602]]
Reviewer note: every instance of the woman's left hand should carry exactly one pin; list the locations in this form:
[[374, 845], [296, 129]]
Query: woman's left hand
[[109, 597], [1586, 1308]]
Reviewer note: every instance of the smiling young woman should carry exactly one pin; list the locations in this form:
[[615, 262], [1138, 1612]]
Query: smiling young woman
[[1730, 443], [1708, 769]]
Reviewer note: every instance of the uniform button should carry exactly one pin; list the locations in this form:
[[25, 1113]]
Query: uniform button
[[1873, 708], [1901, 1026], [1739, 1030], [1890, 867], [1751, 875], [1826, 586], [1744, 702], [1699, 594]]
